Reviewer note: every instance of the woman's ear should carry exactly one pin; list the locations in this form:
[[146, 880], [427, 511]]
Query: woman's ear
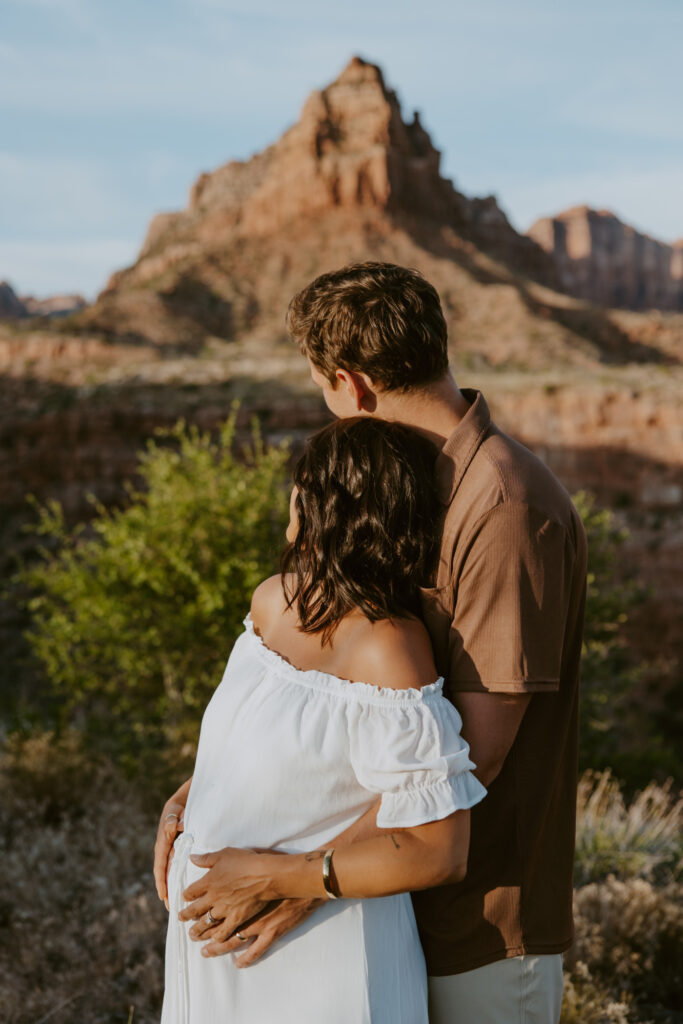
[[359, 390]]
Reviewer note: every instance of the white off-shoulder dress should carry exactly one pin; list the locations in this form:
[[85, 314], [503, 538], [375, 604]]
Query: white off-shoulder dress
[[288, 759]]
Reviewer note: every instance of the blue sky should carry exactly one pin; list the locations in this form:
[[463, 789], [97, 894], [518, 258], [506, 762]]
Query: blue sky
[[111, 108]]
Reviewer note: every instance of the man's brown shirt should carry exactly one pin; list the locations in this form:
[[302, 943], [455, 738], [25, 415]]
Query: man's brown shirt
[[506, 616]]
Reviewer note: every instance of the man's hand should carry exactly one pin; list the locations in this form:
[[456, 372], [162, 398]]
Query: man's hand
[[170, 824]]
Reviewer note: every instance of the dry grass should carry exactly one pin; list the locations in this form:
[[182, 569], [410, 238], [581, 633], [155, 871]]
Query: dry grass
[[627, 961], [628, 953], [81, 929], [643, 839]]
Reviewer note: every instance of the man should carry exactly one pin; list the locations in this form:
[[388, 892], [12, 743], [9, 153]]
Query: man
[[505, 613]]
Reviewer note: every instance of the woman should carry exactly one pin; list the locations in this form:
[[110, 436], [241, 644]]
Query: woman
[[292, 752]]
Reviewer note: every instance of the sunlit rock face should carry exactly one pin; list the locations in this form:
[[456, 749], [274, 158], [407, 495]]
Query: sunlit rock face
[[345, 182], [603, 260]]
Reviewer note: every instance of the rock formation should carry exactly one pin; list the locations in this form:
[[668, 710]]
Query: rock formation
[[53, 305], [11, 306], [603, 260], [350, 149], [343, 183], [15, 307]]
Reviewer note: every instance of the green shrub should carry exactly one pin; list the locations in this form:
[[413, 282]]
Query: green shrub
[[133, 617], [614, 732]]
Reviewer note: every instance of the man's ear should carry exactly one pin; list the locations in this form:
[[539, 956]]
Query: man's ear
[[359, 388]]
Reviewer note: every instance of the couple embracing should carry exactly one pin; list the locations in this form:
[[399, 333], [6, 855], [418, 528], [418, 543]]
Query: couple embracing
[[380, 825]]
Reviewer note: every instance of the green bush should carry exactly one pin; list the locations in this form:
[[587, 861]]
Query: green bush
[[133, 617], [614, 732]]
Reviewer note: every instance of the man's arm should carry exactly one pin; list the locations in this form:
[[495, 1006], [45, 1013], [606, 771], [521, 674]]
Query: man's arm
[[490, 723], [508, 627], [280, 918]]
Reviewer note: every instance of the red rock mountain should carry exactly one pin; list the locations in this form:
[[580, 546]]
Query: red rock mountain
[[603, 260], [350, 180]]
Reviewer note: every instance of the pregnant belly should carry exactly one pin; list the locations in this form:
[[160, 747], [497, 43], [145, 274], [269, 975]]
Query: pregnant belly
[[354, 961]]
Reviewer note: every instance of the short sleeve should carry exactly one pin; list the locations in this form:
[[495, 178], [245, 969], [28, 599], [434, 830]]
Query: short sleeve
[[412, 754], [511, 604]]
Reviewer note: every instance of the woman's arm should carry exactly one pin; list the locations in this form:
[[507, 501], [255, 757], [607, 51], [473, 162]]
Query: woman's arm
[[398, 860]]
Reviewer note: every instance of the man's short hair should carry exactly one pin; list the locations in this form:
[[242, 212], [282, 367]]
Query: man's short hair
[[374, 318]]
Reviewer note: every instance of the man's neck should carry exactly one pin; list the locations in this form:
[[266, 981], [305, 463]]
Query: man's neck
[[433, 411]]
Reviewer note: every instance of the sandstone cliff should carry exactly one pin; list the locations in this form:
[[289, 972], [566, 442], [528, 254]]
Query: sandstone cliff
[[603, 260], [350, 180]]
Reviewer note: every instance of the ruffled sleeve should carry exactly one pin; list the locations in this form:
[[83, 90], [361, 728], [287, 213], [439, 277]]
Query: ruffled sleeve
[[411, 752]]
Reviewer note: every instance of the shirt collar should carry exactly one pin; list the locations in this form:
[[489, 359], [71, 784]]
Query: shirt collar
[[459, 450]]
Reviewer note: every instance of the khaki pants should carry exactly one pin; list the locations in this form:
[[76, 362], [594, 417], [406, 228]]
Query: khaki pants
[[519, 990]]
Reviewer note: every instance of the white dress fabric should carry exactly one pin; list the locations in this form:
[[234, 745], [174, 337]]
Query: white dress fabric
[[287, 760]]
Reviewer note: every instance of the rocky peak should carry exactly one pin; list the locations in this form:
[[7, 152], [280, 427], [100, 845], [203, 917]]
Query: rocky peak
[[11, 306], [350, 149], [600, 258], [350, 179]]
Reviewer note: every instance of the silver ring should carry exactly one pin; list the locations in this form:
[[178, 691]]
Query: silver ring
[[242, 938], [210, 919], [170, 816]]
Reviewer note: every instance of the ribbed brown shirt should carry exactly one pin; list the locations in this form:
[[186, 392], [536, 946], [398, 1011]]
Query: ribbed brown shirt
[[506, 616]]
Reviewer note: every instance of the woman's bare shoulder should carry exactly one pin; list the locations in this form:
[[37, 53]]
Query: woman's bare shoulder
[[267, 602], [395, 653]]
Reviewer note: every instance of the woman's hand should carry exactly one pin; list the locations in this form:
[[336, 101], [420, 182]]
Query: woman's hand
[[234, 890], [258, 935], [170, 825]]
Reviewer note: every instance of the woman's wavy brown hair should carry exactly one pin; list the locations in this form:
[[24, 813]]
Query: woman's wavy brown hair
[[368, 524]]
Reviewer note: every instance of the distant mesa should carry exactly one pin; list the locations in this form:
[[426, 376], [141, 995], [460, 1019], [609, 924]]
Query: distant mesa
[[601, 259], [11, 306], [15, 307]]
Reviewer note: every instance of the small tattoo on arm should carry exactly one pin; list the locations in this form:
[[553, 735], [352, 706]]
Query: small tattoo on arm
[[394, 840], [315, 855]]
